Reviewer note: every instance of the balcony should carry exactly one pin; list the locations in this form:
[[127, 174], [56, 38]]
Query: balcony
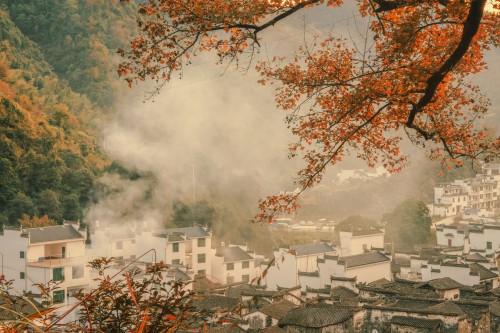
[[55, 261]]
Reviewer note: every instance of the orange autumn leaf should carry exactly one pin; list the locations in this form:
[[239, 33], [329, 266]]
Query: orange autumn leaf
[[339, 101]]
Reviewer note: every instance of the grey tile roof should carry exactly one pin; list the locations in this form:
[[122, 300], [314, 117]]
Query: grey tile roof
[[278, 310], [225, 329], [232, 253], [447, 308], [314, 274], [380, 283], [364, 259], [304, 250], [176, 238], [178, 274], [202, 283], [341, 278], [495, 308], [474, 309], [343, 293], [272, 329], [416, 304], [316, 317], [215, 302], [16, 307], [445, 283], [190, 232], [416, 322], [484, 273], [53, 234]]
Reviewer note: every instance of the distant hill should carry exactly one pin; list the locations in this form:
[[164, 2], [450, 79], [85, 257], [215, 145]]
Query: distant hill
[[57, 75]]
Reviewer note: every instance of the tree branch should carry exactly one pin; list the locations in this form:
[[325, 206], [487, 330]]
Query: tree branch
[[471, 26]]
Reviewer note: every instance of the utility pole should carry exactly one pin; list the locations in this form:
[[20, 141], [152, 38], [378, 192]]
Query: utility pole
[[194, 187]]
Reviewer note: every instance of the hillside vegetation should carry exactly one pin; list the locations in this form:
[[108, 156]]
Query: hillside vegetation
[[56, 73]]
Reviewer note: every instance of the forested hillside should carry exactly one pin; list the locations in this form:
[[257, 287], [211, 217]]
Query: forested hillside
[[57, 71]]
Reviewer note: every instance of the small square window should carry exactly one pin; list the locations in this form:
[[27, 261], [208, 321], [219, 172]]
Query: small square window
[[245, 278], [202, 272], [58, 274], [21, 275], [58, 296], [245, 264], [489, 245], [201, 258], [230, 266], [176, 262], [175, 247], [21, 254], [201, 242]]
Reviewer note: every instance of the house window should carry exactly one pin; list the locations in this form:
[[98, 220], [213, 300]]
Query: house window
[[176, 262], [21, 254], [175, 247], [489, 245], [245, 278], [77, 272], [245, 264], [58, 274], [201, 258], [21, 275], [230, 266], [201, 242], [230, 279], [58, 296], [119, 245], [201, 272]]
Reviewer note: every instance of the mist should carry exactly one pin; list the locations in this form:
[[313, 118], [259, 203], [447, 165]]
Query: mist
[[215, 134]]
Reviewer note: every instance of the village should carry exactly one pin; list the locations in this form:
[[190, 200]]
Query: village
[[360, 284]]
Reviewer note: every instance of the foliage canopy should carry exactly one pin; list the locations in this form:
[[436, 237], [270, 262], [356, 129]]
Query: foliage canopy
[[409, 224], [411, 81]]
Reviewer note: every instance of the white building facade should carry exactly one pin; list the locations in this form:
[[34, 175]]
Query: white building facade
[[232, 264], [39, 255]]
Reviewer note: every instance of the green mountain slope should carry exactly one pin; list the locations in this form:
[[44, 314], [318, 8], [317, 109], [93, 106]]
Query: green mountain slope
[[48, 159], [79, 40]]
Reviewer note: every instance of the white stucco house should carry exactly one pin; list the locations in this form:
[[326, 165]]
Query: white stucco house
[[472, 237], [481, 193], [233, 263], [364, 268], [39, 255], [360, 241], [189, 246], [288, 262], [113, 241]]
